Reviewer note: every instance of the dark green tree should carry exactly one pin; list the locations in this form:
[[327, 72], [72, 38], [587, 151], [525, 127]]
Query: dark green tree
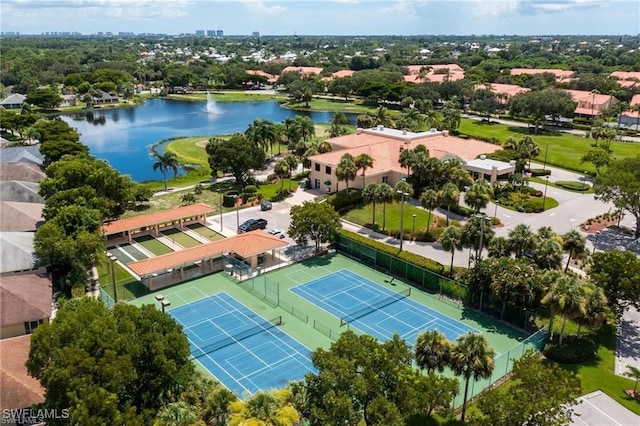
[[318, 222], [236, 155], [44, 98], [620, 185], [165, 161], [618, 274], [110, 366]]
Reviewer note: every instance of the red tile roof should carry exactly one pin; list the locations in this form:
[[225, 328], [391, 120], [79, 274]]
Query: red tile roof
[[17, 388], [560, 74], [507, 89], [270, 77], [137, 222], [245, 245], [24, 297], [635, 100], [303, 70], [624, 75]]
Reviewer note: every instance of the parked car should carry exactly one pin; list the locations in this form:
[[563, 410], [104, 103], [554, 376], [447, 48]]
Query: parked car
[[252, 225], [265, 205], [276, 233]]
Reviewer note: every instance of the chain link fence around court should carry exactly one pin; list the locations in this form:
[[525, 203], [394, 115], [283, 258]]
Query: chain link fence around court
[[450, 291], [503, 364], [268, 291]]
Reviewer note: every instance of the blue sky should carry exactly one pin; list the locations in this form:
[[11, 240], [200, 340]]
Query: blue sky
[[326, 17]]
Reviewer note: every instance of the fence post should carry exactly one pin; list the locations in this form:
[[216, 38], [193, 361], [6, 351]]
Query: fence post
[[506, 371]]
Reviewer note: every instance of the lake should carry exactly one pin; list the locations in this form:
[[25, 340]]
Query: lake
[[123, 136]]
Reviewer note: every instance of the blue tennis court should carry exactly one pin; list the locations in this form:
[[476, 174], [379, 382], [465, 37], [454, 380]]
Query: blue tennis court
[[375, 310], [241, 349]]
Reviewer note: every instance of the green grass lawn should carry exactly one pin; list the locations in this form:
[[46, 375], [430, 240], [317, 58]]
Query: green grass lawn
[[565, 149], [332, 105], [153, 245], [364, 215], [231, 96], [181, 238]]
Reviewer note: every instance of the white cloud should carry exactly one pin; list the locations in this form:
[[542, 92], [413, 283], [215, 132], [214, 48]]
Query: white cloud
[[95, 8], [403, 8], [493, 7], [260, 7]]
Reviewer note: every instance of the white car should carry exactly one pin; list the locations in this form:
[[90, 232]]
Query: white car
[[276, 233]]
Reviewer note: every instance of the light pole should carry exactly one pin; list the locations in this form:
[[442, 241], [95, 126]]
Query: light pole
[[544, 199], [403, 194], [482, 218], [220, 193], [595, 243], [235, 200], [413, 229], [113, 259]]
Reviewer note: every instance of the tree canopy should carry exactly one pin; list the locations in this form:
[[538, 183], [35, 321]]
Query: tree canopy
[[110, 366], [318, 222], [236, 155]]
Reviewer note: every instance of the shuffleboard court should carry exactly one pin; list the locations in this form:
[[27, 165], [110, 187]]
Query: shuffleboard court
[[241, 349], [375, 310]]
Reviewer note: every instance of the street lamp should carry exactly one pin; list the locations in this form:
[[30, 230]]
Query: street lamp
[[403, 194], [235, 200], [544, 199], [595, 243], [220, 193], [113, 259], [482, 218], [413, 231]]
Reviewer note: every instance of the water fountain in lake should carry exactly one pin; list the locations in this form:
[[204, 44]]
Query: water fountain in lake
[[212, 108]]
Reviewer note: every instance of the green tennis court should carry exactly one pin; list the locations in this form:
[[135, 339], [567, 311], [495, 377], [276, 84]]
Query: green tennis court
[[205, 231], [153, 245], [132, 251], [180, 237]]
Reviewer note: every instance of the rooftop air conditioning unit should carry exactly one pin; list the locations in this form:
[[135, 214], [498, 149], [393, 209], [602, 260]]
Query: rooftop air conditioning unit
[[483, 157], [381, 128]]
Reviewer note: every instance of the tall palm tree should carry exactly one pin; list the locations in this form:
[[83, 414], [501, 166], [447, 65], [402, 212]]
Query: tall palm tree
[[522, 240], [346, 169], [370, 195], [574, 243], [292, 162], [215, 410], [430, 200], [528, 149], [451, 240], [450, 196], [364, 162], [566, 298], [304, 127], [338, 120], [263, 133], [478, 195], [281, 169], [382, 117], [385, 194], [451, 118], [165, 161], [406, 159], [548, 254], [432, 351], [472, 356], [596, 305]]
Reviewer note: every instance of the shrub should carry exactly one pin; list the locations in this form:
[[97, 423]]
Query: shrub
[[250, 189], [461, 210], [412, 258], [302, 175], [573, 185], [188, 198], [198, 189], [342, 201], [495, 221], [573, 350], [540, 172], [229, 198], [533, 205]]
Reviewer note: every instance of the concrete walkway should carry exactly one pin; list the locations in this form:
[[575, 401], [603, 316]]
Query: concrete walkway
[[628, 342]]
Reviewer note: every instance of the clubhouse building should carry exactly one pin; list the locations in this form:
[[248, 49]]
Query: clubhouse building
[[385, 146]]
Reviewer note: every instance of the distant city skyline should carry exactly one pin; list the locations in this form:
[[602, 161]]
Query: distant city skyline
[[327, 17]]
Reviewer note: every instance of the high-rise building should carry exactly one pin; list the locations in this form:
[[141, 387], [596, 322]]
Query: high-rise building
[[211, 33], [256, 34], [199, 33], [219, 33]]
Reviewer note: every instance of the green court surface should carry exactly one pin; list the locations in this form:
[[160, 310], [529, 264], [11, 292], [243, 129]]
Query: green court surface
[[127, 286], [205, 231], [181, 238], [153, 245], [269, 295], [134, 252]]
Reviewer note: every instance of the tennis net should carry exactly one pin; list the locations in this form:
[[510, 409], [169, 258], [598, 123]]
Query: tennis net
[[375, 307], [235, 338]]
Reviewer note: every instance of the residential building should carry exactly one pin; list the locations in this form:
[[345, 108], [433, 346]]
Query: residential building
[[385, 146], [434, 73], [626, 79], [504, 91], [590, 103], [305, 71], [270, 77], [13, 101], [17, 388], [68, 101], [25, 303], [561, 75]]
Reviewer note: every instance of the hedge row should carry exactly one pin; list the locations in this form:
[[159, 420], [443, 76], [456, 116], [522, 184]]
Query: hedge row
[[414, 259], [573, 185]]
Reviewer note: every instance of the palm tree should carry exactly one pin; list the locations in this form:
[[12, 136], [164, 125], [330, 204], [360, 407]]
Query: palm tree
[[430, 200], [449, 195], [292, 162], [338, 120], [382, 117], [574, 243], [451, 240], [499, 247], [370, 195], [522, 240], [565, 297], [528, 149], [281, 169], [548, 254], [346, 169], [305, 127], [215, 410], [478, 195], [385, 194], [406, 159], [451, 118], [472, 356], [263, 133], [165, 161], [596, 304], [177, 414], [633, 373], [433, 351], [510, 143], [364, 162]]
